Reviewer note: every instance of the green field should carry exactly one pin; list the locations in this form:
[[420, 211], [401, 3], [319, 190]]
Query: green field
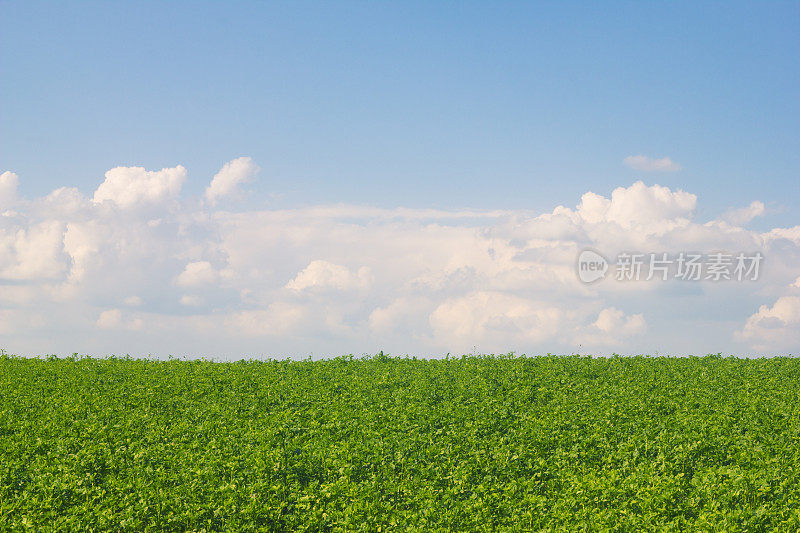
[[397, 444]]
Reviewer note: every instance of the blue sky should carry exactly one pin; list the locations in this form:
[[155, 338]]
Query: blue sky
[[447, 105], [292, 178]]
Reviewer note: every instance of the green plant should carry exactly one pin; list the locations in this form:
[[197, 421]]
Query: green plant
[[475, 443]]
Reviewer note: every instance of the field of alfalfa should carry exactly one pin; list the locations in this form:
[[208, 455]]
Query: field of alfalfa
[[398, 444]]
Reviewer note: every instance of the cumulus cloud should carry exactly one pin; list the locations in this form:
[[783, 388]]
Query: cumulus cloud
[[132, 186], [33, 252], [612, 328], [321, 274], [115, 319], [278, 318], [651, 209], [743, 215], [488, 318], [226, 182], [778, 325], [8, 189], [407, 315], [63, 202], [613, 320], [790, 234], [187, 278], [196, 274], [649, 164]]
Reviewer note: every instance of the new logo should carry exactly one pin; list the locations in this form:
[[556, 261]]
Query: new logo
[[591, 266]]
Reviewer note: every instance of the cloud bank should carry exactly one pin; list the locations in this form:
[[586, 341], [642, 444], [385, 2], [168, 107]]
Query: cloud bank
[[137, 267]]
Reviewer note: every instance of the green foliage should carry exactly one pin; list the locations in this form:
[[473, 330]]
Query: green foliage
[[478, 443]]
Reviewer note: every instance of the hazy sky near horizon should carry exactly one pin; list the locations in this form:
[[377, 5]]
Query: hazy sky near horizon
[[472, 149]]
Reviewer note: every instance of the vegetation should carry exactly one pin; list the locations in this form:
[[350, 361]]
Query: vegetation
[[380, 444]]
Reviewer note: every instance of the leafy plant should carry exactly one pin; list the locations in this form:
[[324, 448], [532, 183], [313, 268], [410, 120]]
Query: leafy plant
[[475, 443]]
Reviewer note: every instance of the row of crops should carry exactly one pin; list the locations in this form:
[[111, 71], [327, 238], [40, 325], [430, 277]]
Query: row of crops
[[479, 443]]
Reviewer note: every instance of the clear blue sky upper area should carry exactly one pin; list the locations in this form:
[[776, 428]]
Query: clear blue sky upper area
[[486, 105]]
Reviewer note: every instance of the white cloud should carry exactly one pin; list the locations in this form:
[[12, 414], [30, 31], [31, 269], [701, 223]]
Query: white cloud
[[191, 300], [112, 318], [791, 234], [133, 186], [341, 279], [494, 319], [650, 209], [279, 318], [407, 316], [774, 327], [197, 273], [115, 319], [20, 321], [649, 164], [614, 321], [133, 301], [321, 274], [35, 252], [82, 244], [612, 328], [226, 182], [8, 190], [640, 204], [64, 202], [593, 207], [743, 215]]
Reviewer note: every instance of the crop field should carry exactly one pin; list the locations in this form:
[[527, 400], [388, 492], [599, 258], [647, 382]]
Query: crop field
[[477, 443]]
